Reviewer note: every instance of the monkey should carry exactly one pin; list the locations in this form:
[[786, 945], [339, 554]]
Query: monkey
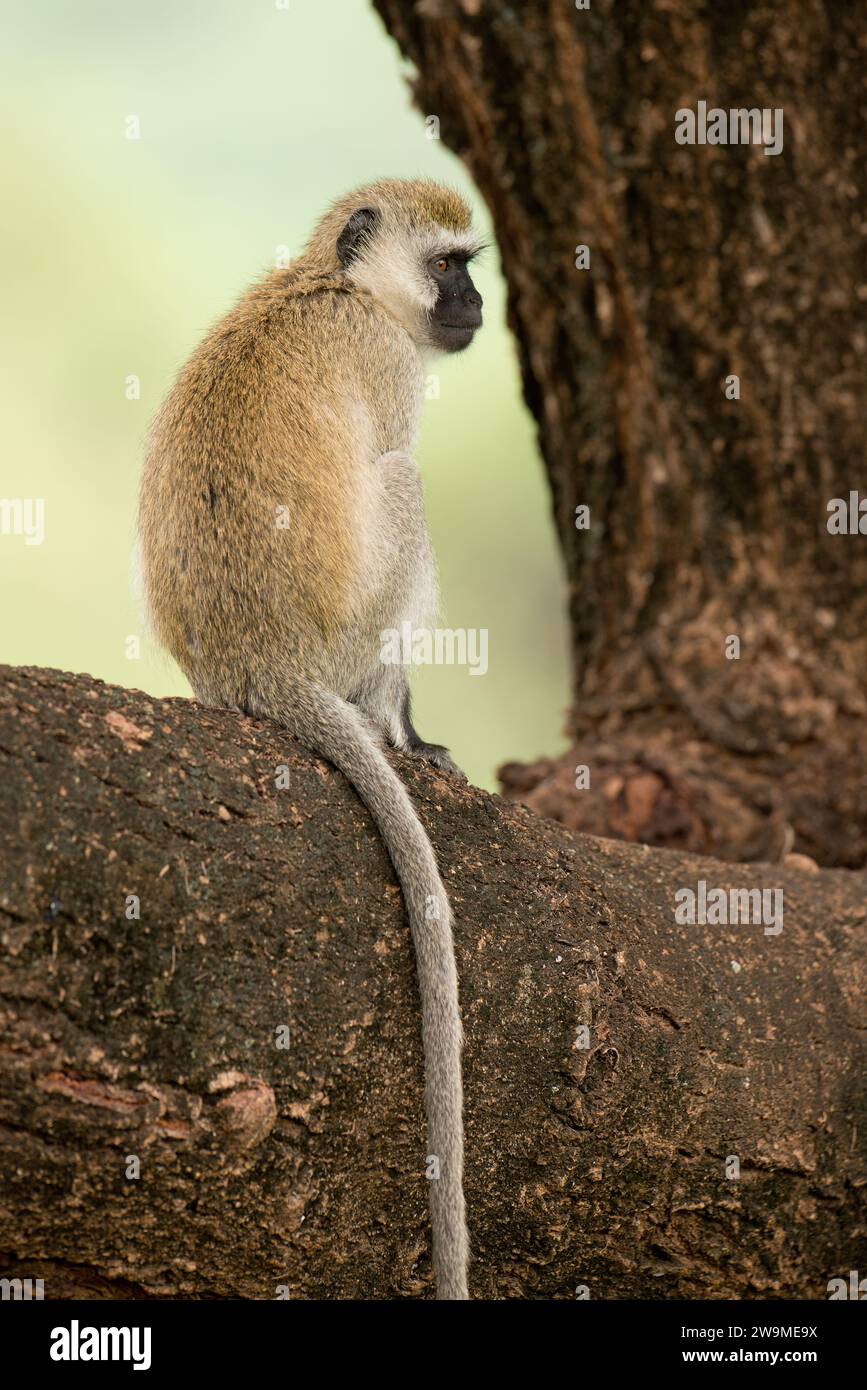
[[282, 529]]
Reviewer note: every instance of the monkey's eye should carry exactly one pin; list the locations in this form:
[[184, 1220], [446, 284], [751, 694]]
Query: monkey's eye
[[441, 265]]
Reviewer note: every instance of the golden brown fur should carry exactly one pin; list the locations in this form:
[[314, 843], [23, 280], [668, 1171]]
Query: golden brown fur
[[264, 389]]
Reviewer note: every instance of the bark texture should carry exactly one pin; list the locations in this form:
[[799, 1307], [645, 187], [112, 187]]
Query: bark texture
[[708, 516], [593, 1160]]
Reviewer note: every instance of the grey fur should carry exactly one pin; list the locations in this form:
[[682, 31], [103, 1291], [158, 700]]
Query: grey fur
[[337, 730]]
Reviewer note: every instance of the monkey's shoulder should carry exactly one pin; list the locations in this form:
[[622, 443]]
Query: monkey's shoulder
[[305, 301]]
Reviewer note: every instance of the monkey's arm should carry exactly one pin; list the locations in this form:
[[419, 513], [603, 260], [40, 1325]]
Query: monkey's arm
[[405, 555], [417, 747]]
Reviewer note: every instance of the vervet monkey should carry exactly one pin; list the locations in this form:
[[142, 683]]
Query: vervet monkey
[[283, 530]]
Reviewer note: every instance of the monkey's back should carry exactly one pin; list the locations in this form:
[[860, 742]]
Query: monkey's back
[[260, 508]]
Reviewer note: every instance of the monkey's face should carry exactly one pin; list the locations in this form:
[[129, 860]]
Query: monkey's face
[[457, 314], [415, 266]]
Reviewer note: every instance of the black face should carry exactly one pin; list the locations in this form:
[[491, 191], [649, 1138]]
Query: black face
[[458, 311]]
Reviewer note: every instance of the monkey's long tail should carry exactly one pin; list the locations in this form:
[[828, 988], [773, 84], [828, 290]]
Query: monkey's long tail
[[331, 726]]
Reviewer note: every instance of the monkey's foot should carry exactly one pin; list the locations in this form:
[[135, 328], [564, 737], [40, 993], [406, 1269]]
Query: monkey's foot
[[438, 755]]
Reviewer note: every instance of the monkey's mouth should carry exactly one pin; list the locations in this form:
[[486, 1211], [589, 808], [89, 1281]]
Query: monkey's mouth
[[457, 332], [453, 337]]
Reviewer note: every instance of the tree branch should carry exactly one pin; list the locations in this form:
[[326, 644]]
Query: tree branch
[[262, 909]]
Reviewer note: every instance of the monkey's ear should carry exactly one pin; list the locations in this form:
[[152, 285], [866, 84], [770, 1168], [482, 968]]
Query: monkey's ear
[[357, 230]]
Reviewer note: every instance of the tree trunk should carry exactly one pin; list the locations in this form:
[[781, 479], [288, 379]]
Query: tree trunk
[[708, 515], [210, 1072]]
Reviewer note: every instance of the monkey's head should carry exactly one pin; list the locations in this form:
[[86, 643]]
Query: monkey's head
[[409, 242]]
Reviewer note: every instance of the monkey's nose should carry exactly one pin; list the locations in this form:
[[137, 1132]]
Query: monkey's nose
[[474, 299]]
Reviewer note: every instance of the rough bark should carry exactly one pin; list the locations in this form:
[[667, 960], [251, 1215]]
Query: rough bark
[[708, 515], [600, 1165]]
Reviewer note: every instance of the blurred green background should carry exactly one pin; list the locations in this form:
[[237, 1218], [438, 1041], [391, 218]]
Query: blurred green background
[[118, 254]]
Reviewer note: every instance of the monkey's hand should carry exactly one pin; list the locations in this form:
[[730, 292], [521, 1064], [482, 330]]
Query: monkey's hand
[[439, 756]]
